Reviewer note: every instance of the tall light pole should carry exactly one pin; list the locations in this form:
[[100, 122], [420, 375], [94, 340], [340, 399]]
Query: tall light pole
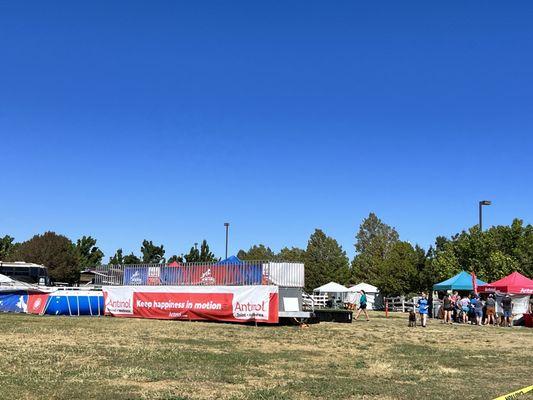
[[226, 224], [481, 204]]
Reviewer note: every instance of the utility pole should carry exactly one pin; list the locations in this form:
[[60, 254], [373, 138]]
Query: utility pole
[[226, 224], [481, 204]]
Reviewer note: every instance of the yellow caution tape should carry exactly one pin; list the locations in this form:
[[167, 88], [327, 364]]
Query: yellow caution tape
[[514, 395]]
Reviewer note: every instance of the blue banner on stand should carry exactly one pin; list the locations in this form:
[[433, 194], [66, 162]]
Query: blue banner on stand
[[136, 276]]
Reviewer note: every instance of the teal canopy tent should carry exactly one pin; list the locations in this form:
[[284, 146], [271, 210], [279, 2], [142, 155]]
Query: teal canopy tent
[[461, 281]]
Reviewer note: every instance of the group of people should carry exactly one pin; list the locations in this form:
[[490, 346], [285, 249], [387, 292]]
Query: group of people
[[475, 310]]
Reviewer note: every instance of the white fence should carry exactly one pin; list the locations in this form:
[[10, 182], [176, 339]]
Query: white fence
[[401, 304]]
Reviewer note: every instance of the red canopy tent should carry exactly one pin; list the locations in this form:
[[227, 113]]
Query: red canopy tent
[[515, 283]]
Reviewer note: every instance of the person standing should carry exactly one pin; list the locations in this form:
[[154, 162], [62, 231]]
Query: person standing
[[478, 309], [465, 308], [455, 299], [362, 306], [423, 308], [491, 310], [507, 305], [448, 308]]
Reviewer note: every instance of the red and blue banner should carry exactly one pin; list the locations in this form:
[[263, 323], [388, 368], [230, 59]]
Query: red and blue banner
[[60, 302]]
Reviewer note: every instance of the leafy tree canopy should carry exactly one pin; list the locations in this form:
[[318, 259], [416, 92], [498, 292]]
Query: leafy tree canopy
[[152, 254], [294, 254], [54, 251], [491, 254], [132, 259], [374, 241], [398, 273], [175, 258], [325, 261], [117, 258], [7, 248], [202, 255], [257, 253], [87, 253]]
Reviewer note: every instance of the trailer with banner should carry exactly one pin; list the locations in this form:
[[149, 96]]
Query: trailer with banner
[[230, 290]]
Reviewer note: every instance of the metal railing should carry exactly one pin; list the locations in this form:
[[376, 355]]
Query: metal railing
[[202, 274]]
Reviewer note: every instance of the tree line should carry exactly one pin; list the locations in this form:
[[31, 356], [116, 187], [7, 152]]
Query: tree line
[[382, 258], [65, 259]]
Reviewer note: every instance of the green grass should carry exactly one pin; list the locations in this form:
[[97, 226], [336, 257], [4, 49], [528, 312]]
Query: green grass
[[111, 358]]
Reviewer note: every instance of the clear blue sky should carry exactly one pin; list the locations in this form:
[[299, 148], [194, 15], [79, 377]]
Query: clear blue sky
[[164, 119]]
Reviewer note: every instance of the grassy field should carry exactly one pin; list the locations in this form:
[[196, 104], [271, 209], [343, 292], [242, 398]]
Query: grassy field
[[111, 358]]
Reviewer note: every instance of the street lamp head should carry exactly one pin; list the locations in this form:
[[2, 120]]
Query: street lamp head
[[226, 223], [485, 202]]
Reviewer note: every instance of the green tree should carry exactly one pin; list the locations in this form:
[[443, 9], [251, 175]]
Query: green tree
[[87, 253], [206, 255], [117, 258], [54, 251], [294, 254], [152, 254], [501, 264], [491, 254], [193, 255], [175, 258], [132, 259], [257, 253], [523, 251], [374, 241], [202, 255], [398, 273], [7, 248], [325, 261]]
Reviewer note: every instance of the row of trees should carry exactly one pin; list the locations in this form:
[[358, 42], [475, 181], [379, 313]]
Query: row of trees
[[66, 259], [382, 258], [397, 267]]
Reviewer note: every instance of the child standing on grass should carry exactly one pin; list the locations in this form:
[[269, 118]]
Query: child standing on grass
[[362, 306], [423, 308]]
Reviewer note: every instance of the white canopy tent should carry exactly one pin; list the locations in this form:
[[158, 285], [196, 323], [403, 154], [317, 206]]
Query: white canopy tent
[[368, 288], [333, 289], [373, 298]]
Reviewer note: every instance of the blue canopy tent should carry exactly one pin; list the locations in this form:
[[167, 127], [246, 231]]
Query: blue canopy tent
[[231, 260], [461, 281], [241, 273]]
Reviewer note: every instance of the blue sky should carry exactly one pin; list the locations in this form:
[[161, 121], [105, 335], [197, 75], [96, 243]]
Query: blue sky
[[164, 119]]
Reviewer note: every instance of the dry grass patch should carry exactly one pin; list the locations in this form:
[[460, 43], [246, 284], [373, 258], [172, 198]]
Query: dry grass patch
[[100, 358]]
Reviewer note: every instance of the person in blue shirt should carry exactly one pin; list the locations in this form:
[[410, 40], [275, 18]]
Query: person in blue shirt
[[423, 307], [471, 311], [362, 306]]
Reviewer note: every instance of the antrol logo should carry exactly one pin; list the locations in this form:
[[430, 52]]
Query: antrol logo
[[117, 304], [252, 303], [250, 307]]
